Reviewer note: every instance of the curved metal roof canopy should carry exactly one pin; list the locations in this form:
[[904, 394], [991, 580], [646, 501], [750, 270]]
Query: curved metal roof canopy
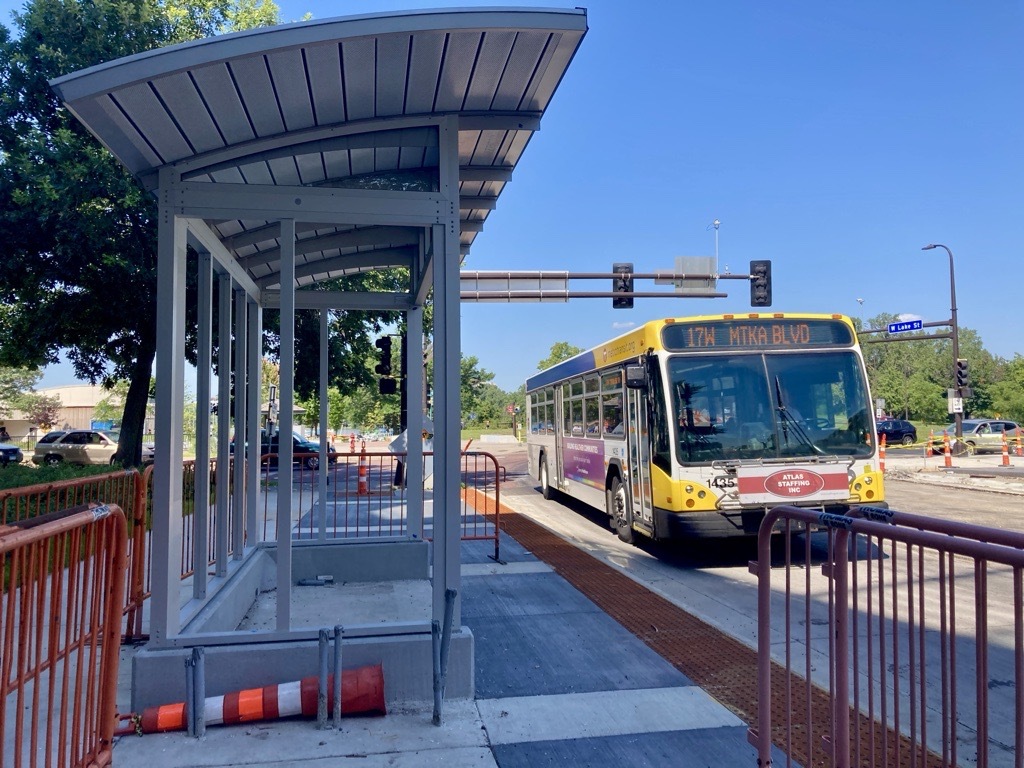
[[295, 154], [348, 103]]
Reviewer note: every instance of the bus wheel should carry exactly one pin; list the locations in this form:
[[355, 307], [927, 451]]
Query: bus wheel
[[621, 512], [545, 485]]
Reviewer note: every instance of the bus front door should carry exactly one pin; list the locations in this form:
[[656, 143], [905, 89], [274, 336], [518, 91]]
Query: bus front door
[[556, 478], [639, 458]]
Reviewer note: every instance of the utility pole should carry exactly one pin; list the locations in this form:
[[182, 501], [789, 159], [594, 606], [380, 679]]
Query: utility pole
[[958, 416]]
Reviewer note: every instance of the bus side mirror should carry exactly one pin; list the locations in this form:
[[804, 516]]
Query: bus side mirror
[[636, 377]]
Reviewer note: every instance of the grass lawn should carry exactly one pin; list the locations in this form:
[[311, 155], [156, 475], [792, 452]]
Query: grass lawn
[[22, 475]]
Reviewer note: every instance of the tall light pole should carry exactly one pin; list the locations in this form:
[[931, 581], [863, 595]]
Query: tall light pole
[[958, 416]]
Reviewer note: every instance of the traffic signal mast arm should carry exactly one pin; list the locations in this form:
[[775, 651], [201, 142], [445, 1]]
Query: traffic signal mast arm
[[557, 285]]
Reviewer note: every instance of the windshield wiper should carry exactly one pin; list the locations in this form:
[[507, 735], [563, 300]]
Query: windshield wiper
[[790, 419]]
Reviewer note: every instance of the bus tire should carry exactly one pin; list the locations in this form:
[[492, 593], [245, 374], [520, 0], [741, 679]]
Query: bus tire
[[545, 480], [621, 512]]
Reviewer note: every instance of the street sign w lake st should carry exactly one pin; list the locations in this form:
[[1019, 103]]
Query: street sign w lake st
[[907, 325]]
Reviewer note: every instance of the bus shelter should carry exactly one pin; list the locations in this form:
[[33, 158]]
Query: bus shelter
[[283, 157]]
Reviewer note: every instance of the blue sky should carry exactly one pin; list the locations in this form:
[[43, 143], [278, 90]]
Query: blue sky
[[834, 139]]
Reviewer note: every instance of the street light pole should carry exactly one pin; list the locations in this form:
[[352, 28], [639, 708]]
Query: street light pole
[[958, 417]]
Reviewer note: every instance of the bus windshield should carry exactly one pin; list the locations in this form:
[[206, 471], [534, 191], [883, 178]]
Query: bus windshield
[[769, 406]]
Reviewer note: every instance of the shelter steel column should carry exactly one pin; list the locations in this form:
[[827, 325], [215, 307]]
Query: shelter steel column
[[204, 354], [447, 347], [285, 424], [414, 397], [170, 395], [223, 422], [325, 316], [238, 410], [255, 408]]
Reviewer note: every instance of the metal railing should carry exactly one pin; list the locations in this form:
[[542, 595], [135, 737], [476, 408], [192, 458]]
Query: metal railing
[[374, 506], [367, 496], [907, 649], [60, 618]]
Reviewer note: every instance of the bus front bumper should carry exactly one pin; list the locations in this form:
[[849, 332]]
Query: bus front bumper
[[724, 524]]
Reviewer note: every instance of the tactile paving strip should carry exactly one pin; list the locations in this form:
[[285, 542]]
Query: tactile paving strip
[[718, 663]]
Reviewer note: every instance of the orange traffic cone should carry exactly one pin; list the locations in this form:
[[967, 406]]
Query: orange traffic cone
[[928, 450], [362, 691], [1020, 445], [1006, 451], [946, 452], [363, 475], [352, 443], [881, 455]]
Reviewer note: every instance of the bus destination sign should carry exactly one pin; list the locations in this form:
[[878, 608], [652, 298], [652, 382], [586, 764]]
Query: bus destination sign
[[768, 333]]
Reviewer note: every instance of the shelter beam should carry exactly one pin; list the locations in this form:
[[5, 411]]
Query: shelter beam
[[325, 205], [202, 238], [272, 299]]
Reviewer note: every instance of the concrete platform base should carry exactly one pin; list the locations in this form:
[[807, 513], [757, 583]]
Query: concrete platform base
[[379, 592], [158, 676]]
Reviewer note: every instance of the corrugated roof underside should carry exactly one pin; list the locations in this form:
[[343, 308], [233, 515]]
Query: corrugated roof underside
[[220, 114], [183, 114]]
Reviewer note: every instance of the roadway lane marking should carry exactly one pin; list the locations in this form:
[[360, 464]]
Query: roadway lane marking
[[491, 569], [557, 717]]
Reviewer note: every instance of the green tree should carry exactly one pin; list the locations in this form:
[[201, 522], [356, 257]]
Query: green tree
[[1008, 392], [473, 380], [913, 376], [41, 409], [560, 350], [111, 407], [79, 233], [15, 383]]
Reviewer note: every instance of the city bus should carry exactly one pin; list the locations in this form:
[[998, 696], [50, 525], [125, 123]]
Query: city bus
[[697, 426]]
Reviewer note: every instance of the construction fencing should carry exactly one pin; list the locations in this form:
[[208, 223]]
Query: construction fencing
[[60, 618], [889, 639]]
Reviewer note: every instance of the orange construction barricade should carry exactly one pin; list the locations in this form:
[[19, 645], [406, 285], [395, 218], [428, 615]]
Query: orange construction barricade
[[363, 475], [362, 691]]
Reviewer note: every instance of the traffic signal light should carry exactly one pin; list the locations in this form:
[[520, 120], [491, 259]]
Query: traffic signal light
[[961, 374], [622, 283], [761, 283], [384, 345]]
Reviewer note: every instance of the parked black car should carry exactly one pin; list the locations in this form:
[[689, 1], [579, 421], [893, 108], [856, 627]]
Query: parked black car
[[300, 445], [10, 454], [897, 431]]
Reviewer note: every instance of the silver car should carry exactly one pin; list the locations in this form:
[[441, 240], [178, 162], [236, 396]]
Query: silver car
[[79, 446], [980, 435]]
